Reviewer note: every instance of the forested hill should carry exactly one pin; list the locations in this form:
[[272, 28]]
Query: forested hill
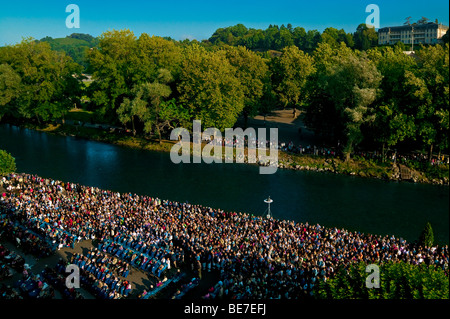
[[274, 38], [75, 45]]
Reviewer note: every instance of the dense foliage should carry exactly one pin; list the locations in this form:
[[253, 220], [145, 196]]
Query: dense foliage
[[7, 163], [399, 280], [351, 92], [75, 45]]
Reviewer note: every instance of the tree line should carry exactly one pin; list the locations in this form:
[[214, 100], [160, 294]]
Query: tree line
[[377, 96]]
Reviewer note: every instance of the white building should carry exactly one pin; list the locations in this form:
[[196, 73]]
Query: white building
[[429, 33]]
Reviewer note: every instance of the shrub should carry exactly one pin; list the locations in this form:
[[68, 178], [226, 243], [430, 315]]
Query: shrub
[[7, 163]]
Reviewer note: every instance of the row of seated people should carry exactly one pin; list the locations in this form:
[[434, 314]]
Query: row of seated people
[[59, 237], [155, 263], [215, 291], [11, 259], [116, 265], [29, 240], [5, 263], [34, 287], [162, 284], [9, 293], [153, 246], [146, 245], [185, 288], [57, 278], [5, 271], [100, 279]]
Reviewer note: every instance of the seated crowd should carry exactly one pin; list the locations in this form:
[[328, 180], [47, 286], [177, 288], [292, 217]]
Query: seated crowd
[[101, 274], [257, 257]]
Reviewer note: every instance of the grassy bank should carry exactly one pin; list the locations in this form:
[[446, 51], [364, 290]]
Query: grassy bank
[[354, 167]]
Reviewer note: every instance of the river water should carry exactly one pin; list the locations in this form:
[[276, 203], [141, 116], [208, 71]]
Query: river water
[[354, 203]]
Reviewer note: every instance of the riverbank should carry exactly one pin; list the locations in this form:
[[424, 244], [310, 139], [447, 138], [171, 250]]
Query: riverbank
[[354, 167]]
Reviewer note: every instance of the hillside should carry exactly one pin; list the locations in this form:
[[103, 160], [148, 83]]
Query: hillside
[[74, 45]]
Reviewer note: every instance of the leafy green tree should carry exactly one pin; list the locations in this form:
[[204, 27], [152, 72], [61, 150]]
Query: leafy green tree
[[335, 37], [365, 37], [431, 82], [9, 87], [312, 39], [395, 114], [76, 45], [252, 72], [113, 66], [283, 39], [427, 236], [7, 163], [445, 37], [320, 115], [346, 83], [209, 89], [398, 280], [155, 53], [299, 37], [150, 106], [50, 82], [291, 72]]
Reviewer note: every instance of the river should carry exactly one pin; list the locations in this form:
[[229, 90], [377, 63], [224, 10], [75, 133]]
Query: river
[[357, 204]]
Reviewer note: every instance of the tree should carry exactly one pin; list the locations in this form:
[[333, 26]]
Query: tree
[[9, 88], [423, 20], [155, 53], [365, 37], [113, 68], [209, 89], [151, 107], [7, 163], [427, 236], [445, 37], [398, 280], [291, 72], [330, 36], [408, 21], [50, 82], [395, 116], [430, 83], [252, 72], [346, 83], [299, 37]]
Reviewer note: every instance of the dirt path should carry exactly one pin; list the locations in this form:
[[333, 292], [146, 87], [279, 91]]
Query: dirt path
[[288, 126]]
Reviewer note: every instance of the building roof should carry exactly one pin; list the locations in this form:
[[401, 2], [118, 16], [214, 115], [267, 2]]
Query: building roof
[[429, 25]]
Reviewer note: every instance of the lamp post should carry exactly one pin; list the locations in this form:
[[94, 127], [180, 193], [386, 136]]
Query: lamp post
[[268, 201]]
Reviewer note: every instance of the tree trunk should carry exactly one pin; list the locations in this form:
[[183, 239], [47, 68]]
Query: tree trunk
[[159, 135], [132, 124], [383, 153], [348, 151], [430, 155]]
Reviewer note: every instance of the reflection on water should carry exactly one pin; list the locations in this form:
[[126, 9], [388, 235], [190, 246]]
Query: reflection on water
[[373, 206]]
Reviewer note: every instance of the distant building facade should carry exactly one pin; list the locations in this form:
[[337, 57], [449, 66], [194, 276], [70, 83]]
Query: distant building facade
[[428, 33]]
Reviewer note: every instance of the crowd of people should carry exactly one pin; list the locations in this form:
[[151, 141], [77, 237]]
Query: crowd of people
[[101, 274], [391, 155], [257, 257], [56, 277]]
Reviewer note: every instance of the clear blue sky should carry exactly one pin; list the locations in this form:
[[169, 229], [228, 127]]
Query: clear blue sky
[[199, 19]]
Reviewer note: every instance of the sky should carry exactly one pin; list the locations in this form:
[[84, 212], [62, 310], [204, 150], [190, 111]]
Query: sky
[[198, 19]]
